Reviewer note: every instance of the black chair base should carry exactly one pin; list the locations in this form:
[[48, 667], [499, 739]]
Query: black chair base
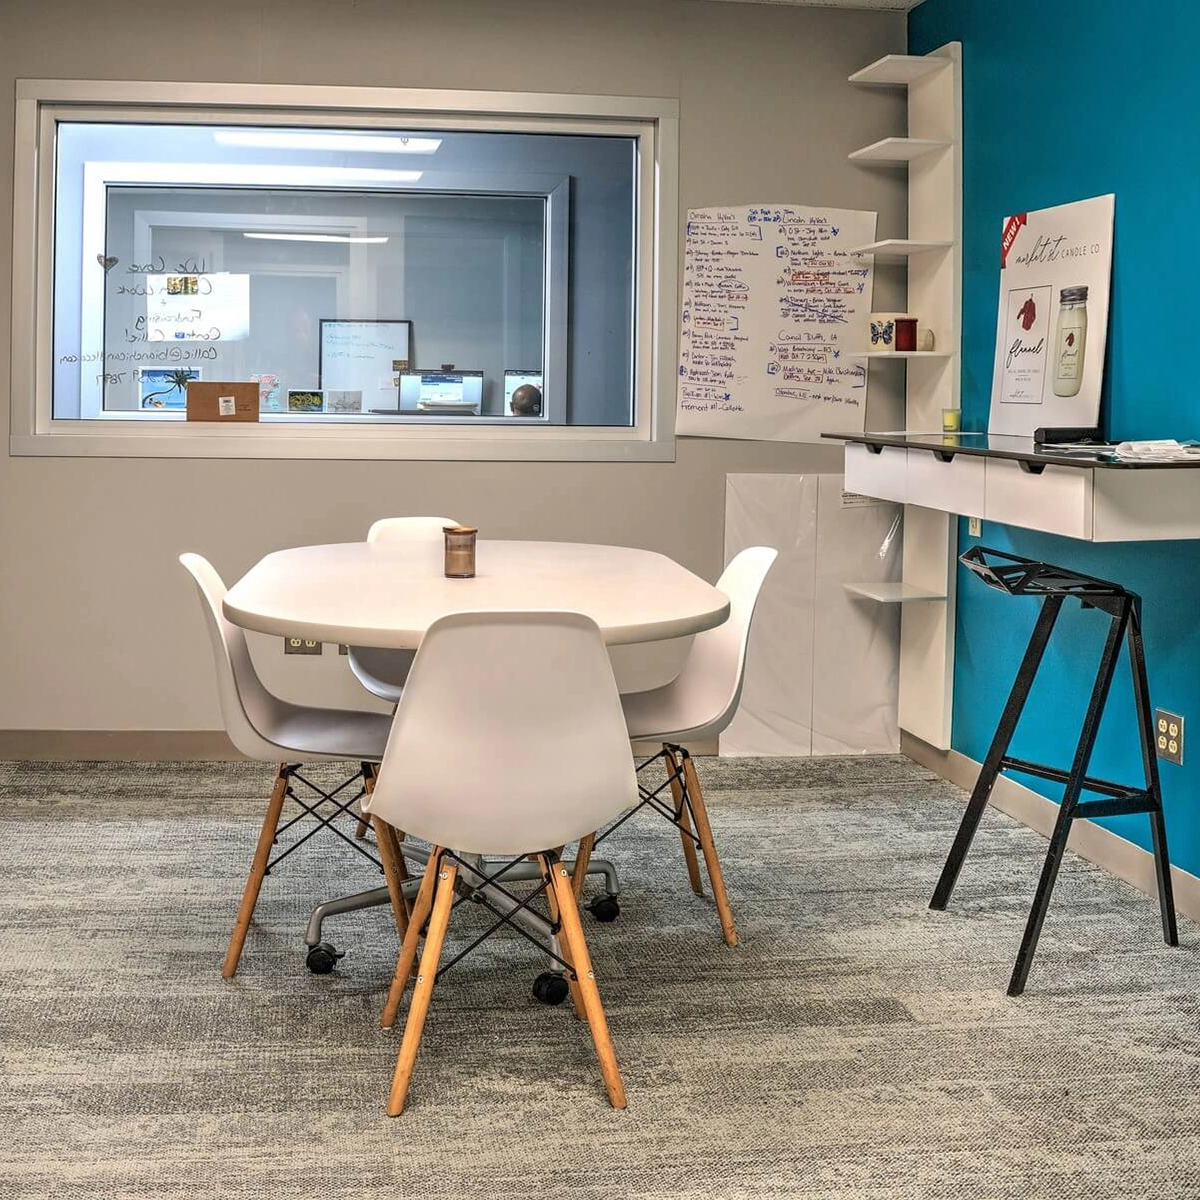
[[1025, 577]]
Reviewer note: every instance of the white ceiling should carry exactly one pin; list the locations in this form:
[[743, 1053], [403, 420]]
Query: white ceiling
[[878, 5]]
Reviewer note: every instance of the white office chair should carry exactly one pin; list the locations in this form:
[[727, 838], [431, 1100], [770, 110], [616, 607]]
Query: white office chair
[[697, 705], [493, 704], [269, 729], [383, 672]]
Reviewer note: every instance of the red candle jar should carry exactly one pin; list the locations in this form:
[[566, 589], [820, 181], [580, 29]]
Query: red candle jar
[[906, 333]]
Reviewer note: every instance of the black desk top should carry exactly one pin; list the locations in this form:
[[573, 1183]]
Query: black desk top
[[1032, 455]]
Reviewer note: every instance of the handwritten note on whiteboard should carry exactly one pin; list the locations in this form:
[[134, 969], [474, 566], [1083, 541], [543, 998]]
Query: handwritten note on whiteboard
[[775, 304]]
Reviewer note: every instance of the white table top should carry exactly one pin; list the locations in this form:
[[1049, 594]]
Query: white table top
[[389, 593]]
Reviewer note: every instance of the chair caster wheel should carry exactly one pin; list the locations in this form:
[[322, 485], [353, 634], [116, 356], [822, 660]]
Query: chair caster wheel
[[605, 909], [550, 988], [322, 958]]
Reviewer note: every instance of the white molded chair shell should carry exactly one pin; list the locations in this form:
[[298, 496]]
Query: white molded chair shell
[[701, 701], [401, 529], [495, 705], [383, 672], [261, 725]]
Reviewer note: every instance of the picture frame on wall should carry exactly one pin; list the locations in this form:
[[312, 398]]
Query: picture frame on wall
[[363, 355]]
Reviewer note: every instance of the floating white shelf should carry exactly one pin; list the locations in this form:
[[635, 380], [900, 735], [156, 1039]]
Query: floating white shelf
[[900, 248], [901, 353], [897, 150], [892, 593], [898, 70]]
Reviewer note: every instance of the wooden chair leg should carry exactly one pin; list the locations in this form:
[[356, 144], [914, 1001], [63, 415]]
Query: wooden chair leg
[[360, 830], [704, 833], [389, 855], [583, 856], [552, 901], [258, 868], [685, 825], [423, 992], [572, 931], [408, 948]]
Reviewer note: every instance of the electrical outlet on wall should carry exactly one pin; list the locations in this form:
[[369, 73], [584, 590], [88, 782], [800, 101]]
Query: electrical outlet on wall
[[293, 645], [974, 527], [1168, 736]]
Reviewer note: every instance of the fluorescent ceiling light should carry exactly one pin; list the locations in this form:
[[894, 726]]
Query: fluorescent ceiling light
[[361, 143], [315, 237]]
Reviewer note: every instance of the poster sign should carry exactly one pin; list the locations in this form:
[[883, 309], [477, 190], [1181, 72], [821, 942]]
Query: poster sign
[[1055, 271], [205, 308], [776, 306]]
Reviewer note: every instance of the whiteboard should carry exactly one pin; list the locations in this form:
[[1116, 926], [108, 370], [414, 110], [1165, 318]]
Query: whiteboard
[[775, 306], [364, 356]]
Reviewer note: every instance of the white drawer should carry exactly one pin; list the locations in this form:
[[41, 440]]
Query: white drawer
[[956, 486], [883, 475], [1145, 504], [1059, 500]]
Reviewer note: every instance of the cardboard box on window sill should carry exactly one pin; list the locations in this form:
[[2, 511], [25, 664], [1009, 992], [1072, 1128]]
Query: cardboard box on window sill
[[207, 401]]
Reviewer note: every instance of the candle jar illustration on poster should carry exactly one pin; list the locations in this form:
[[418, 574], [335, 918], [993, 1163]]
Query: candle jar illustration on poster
[[1052, 323]]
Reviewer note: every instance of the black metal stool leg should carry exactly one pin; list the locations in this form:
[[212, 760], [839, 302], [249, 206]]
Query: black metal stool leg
[[999, 748], [1158, 827], [1062, 826]]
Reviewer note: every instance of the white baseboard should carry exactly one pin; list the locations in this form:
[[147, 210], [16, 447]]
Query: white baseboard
[[1101, 846]]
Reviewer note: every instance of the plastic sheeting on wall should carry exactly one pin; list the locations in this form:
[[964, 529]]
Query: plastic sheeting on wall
[[822, 667]]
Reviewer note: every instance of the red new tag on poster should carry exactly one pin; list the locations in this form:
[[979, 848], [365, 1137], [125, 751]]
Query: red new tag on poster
[[1011, 228]]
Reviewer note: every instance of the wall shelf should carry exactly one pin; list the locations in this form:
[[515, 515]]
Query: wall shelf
[[892, 593], [898, 70], [876, 354], [898, 150], [901, 248], [933, 250]]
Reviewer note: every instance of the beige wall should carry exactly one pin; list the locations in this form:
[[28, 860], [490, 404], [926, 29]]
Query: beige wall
[[98, 625]]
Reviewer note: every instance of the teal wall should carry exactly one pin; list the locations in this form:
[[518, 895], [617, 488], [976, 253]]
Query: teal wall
[[1062, 101]]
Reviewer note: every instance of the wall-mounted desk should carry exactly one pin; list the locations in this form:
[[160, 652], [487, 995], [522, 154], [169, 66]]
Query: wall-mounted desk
[[1087, 494]]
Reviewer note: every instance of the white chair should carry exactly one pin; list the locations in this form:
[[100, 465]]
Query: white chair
[[493, 704], [383, 672], [269, 729], [697, 705]]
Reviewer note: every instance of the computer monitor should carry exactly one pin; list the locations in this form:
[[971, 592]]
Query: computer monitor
[[515, 379], [444, 392]]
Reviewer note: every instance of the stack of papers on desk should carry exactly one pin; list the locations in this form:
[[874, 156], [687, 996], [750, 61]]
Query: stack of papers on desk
[[1161, 450]]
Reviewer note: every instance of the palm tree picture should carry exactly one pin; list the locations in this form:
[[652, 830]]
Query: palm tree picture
[[174, 381]]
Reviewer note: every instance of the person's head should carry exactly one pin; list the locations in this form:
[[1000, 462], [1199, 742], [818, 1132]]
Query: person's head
[[526, 401]]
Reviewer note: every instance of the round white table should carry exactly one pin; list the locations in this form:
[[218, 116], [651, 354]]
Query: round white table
[[387, 594]]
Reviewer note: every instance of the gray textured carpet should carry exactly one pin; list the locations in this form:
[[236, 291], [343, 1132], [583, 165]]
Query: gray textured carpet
[[855, 1047]]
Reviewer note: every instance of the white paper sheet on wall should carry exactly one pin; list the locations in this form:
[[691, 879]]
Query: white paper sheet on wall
[[821, 668], [856, 658], [775, 713], [775, 306]]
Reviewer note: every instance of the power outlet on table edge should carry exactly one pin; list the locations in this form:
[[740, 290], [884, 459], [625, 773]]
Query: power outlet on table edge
[[293, 645]]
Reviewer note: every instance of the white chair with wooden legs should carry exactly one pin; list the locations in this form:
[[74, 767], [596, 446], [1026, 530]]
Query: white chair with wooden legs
[[269, 729], [383, 672], [380, 670], [696, 706], [493, 704]]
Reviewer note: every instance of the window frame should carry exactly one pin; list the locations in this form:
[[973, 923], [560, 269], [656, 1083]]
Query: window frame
[[652, 122]]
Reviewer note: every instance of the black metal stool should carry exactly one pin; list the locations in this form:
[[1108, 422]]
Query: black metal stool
[[1025, 577]]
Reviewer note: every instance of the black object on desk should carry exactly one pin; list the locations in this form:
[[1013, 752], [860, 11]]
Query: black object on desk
[[1048, 435], [1025, 577]]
